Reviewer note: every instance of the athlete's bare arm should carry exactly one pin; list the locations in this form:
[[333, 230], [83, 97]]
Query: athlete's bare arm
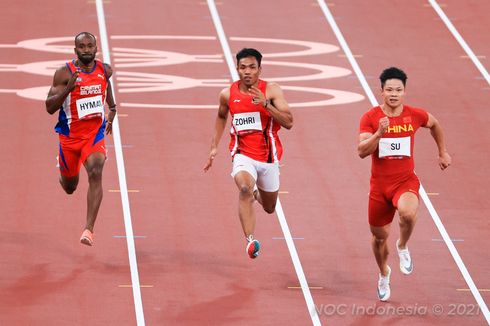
[[278, 107], [438, 135], [219, 126], [63, 84], [109, 100], [368, 142]]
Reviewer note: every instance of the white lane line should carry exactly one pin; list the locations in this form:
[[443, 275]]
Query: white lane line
[[460, 40], [455, 254], [279, 211], [116, 135], [423, 194]]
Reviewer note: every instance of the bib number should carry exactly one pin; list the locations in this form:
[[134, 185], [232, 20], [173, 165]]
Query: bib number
[[88, 107], [247, 121], [394, 147]]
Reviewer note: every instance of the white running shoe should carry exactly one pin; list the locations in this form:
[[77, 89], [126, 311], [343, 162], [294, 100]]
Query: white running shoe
[[384, 291], [406, 265]]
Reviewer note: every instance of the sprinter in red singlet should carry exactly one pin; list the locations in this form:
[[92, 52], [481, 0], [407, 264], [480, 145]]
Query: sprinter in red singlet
[[387, 134], [79, 92], [258, 110]]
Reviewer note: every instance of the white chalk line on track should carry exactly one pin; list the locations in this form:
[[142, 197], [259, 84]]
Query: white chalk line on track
[[486, 75], [138, 304], [279, 211], [423, 194]]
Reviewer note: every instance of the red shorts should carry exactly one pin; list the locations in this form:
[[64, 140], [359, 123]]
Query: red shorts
[[74, 152], [384, 196]]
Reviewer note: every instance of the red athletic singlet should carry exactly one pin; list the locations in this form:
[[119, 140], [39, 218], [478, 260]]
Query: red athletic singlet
[[394, 155], [253, 130]]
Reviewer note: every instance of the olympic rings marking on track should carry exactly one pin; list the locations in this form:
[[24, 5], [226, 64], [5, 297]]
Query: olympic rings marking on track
[[137, 82]]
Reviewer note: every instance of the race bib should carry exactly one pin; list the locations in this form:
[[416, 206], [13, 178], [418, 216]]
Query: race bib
[[394, 147], [90, 106], [247, 121]]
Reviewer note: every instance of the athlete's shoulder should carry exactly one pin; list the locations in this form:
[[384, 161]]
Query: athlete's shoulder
[[410, 108], [224, 94], [369, 120], [272, 89], [106, 67], [372, 112], [416, 111], [63, 73], [419, 114]]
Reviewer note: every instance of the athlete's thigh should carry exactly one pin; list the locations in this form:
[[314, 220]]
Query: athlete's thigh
[[95, 162], [380, 211], [380, 232], [268, 198], [268, 177], [244, 171], [406, 197], [244, 179], [408, 204], [69, 157], [94, 153]]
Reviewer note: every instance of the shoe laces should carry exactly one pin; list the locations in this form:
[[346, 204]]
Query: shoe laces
[[383, 282], [404, 255]]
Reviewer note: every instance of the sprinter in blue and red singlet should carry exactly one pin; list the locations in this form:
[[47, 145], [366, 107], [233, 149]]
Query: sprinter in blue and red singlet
[[79, 91], [258, 110]]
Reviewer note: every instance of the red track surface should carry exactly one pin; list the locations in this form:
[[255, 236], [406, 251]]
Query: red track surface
[[192, 253]]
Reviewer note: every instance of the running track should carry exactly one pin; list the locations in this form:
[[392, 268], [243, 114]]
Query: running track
[[189, 249]]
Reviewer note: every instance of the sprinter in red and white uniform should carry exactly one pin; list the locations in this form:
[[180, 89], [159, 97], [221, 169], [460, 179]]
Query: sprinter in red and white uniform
[[387, 134], [258, 110], [79, 91]]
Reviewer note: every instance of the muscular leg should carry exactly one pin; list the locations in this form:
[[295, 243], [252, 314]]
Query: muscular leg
[[69, 184], [245, 183], [407, 209], [380, 247], [268, 200], [94, 166]]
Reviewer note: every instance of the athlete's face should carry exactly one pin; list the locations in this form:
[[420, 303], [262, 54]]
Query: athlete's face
[[249, 71], [85, 49], [393, 93]]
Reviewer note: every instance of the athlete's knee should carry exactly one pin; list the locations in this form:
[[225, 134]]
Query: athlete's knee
[[68, 187], [379, 239], [269, 208], [407, 215], [246, 192], [95, 173]]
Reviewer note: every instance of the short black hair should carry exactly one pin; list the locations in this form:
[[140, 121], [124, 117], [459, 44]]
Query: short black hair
[[393, 73], [85, 34], [248, 52]]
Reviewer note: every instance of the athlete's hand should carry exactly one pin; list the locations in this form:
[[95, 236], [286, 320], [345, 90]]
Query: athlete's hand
[[384, 123], [72, 82], [444, 160], [257, 96], [108, 128], [209, 163]]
